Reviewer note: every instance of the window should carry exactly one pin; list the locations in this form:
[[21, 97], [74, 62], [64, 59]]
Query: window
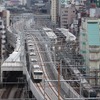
[[0, 28], [83, 34], [0, 23], [84, 43]]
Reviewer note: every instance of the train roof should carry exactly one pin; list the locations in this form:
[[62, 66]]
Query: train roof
[[69, 35], [33, 59], [47, 29], [49, 32], [59, 34], [38, 71], [36, 66], [32, 53], [29, 41], [84, 82]]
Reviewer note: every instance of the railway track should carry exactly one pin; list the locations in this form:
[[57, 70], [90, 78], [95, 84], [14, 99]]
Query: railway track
[[39, 85], [6, 93], [18, 92], [46, 76], [12, 91]]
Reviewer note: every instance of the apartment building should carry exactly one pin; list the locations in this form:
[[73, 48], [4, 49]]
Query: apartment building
[[90, 48], [68, 14]]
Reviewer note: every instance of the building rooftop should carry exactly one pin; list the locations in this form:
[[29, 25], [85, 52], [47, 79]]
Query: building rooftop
[[69, 35]]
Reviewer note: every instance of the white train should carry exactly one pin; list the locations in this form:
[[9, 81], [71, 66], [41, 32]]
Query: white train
[[37, 73], [69, 36], [50, 34], [32, 61], [88, 91]]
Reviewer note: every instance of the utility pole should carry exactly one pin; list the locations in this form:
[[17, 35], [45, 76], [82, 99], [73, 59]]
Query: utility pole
[[58, 81]]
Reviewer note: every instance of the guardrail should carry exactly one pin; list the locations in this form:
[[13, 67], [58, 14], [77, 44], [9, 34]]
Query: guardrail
[[33, 88], [64, 85]]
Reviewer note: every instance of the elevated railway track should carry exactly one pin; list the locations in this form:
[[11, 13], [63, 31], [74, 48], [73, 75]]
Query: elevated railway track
[[40, 86], [47, 90]]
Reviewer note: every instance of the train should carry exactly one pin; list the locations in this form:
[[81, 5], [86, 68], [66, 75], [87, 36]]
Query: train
[[33, 63], [37, 73], [88, 91]]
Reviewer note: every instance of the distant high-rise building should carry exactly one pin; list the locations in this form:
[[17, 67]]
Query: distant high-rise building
[[23, 2], [96, 2], [54, 11], [14, 2], [28, 3], [1, 1]]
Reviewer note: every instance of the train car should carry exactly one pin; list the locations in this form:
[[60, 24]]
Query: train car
[[34, 60], [37, 73], [69, 36], [88, 91], [60, 37], [29, 41], [30, 44], [31, 48], [36, 70], [32, 54], [50, 34]]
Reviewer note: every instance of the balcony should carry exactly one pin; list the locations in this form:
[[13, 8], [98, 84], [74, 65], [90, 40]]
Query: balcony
[[94, 58], [94, 50]]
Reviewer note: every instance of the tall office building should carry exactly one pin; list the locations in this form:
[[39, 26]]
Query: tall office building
[[54, 11]]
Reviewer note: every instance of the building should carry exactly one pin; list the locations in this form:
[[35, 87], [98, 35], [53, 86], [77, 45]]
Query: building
[[23, 2], [14, 2], [4, 24], [62, 12], [91, 2], [54, 11], [68, 14], [6, 18], [90, 47], [28, 3]]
